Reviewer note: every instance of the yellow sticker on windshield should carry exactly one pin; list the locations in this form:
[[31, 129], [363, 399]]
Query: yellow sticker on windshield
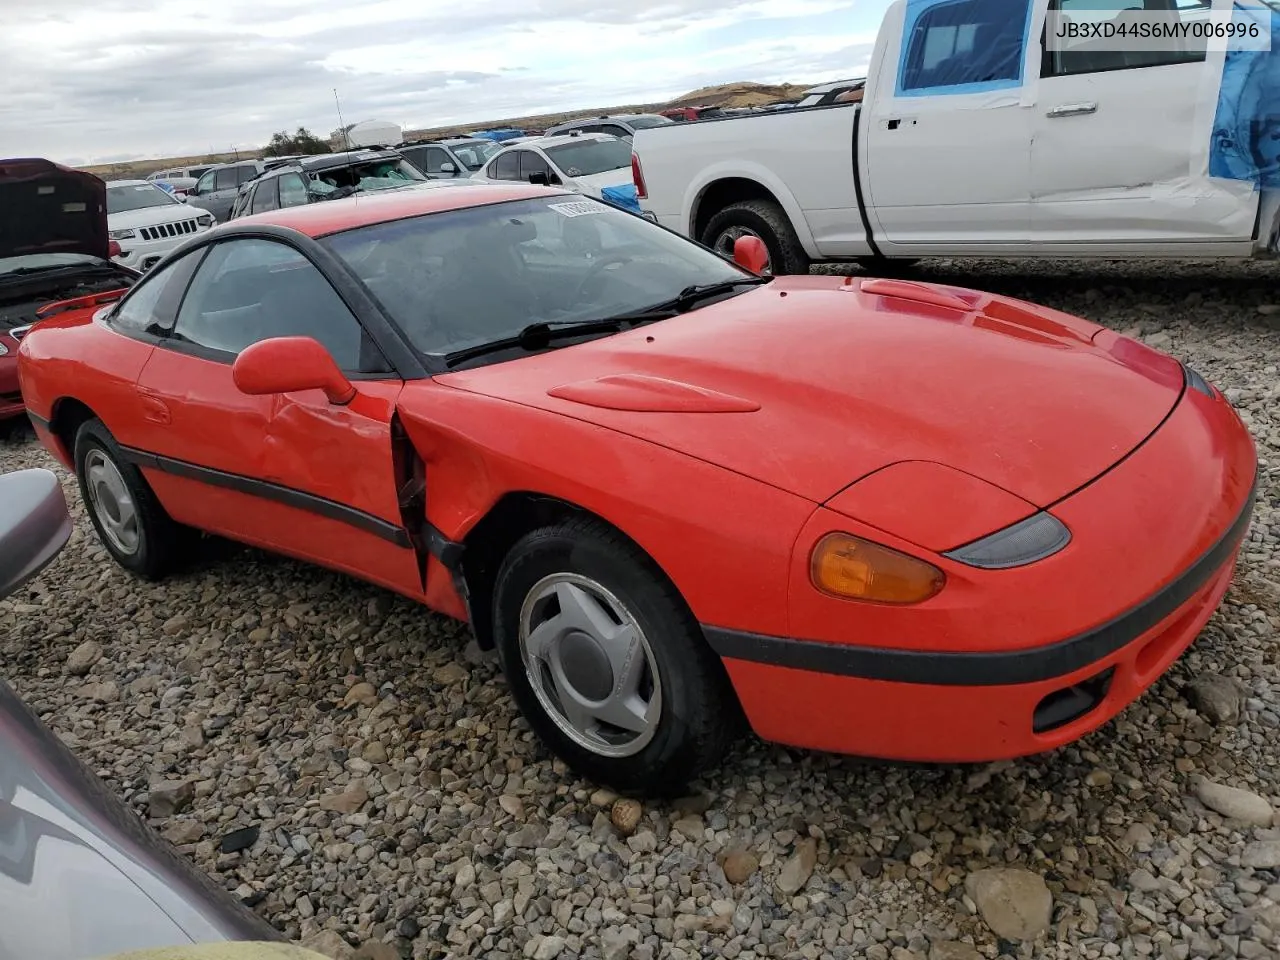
[[576, 208]]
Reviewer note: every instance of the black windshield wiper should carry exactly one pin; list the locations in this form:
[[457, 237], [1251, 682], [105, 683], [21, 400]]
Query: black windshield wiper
[[685, 300], [537, 336]]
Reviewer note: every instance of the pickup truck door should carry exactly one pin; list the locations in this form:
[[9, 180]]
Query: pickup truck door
[[946, 131], [1121, 144]]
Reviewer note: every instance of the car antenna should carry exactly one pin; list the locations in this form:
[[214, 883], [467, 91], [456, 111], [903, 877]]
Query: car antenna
[[341, 126]]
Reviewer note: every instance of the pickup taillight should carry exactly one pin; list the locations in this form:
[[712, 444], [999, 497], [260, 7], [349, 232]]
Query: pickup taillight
[[637, 176]]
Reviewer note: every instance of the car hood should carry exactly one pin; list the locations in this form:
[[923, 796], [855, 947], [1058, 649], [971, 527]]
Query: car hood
[[49, 208], [151, 216], [811, 383]]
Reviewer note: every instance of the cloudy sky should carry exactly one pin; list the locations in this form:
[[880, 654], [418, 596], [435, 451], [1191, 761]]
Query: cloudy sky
[[91, 81]]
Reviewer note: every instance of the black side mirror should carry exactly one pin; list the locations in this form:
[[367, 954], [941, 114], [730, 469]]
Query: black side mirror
[[34, 525], [545, 179]]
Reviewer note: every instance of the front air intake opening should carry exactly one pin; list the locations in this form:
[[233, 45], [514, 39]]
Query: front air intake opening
[[1071, 703]]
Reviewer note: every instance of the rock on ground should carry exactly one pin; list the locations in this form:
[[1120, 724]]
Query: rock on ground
[[1016, 904], [377, 754]]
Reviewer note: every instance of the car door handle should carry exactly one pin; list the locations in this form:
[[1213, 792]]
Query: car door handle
[[1072, 110], [155, 410]]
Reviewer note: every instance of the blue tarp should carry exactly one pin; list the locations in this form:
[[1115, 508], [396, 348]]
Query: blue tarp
[[623, 195], [962, 46], [1246, 128]]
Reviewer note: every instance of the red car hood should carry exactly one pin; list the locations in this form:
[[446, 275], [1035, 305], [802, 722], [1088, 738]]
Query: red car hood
[[811, 383]]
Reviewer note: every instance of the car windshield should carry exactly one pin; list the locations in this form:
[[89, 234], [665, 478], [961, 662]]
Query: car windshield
[[136, 196], [371, 175], [474, 153], [639, 123], [31, 262], [588, 157], [466, 277]]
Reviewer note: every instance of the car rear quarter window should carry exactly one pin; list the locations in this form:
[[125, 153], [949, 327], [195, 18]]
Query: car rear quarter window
[[150, 307], [251, 290]]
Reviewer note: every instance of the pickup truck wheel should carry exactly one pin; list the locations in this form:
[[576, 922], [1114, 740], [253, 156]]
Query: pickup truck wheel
[[763, 219], [135, 529], [606, 663]]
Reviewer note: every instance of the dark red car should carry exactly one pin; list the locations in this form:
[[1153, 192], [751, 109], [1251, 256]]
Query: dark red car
[[53, 247]]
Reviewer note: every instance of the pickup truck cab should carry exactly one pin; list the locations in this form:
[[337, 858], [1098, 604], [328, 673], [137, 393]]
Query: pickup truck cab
[[978, 136]]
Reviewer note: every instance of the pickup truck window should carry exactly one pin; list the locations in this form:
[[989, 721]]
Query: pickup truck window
[[1093, 56], [962, 46]]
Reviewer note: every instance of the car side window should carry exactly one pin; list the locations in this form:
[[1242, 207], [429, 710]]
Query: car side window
[[225, 179], [205, 184], [1065, 57], [615, 130], [966, 46], [264, 196], [152, 303], [531, 163], [436, 158], [293, 190], [246, 173], [506, 165], [248, 290]]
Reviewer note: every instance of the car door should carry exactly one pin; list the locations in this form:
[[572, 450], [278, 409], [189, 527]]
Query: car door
[[1121, 139], [947, 131], [290, 472]]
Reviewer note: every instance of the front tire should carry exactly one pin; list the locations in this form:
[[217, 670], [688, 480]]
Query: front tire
[[606, 662], [759, 218], [129, 520]]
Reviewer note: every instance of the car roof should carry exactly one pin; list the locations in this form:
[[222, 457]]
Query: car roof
[[130, 183], [333, 216], [556, 139]]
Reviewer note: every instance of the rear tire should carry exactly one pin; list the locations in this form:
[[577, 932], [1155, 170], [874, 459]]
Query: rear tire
[[590, 632], [129, 520], [764, 219]]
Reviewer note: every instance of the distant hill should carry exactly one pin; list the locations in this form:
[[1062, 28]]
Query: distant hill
[[741, 94]]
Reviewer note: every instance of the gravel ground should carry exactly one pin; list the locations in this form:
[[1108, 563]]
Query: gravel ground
[[343, 761]]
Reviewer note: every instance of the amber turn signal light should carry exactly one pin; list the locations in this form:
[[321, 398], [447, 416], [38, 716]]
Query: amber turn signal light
[[855, 569]]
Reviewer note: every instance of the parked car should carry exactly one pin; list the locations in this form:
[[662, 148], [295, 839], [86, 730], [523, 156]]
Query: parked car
[[594, 164], [218, 187], [81, 875], [53, 247], [623, 125], [993, 145], [326, 177], [148, 222], [669, 490], [177, 180], [685, 114], [449, 157]]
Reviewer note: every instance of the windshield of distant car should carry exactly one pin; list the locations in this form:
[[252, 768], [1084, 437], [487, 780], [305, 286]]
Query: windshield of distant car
[[372, 175], [640, 123], [136, 196], [588, 157], [474, 154], [465, 277]]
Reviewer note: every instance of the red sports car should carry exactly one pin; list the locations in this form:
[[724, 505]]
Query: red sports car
[[875, 517]]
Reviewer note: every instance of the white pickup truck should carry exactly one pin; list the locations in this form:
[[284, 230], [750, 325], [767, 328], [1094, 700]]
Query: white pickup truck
[[978, 135]]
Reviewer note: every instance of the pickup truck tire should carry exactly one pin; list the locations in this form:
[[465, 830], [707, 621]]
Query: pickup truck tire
[[766, 220]]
